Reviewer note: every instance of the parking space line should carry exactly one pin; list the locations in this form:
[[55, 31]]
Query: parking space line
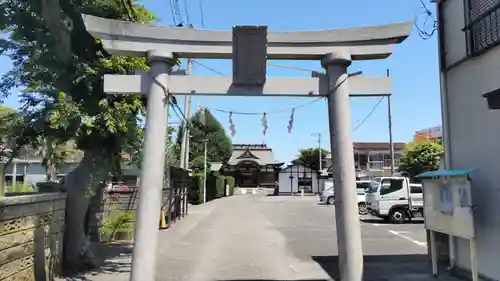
[[421, 244]]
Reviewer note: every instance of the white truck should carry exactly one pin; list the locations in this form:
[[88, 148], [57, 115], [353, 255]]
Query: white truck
[[395, 199]]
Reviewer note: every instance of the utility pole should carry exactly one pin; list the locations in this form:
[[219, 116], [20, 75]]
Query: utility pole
[[205, 173], [389, 116], [320, 153], [319, 150], [185, 137]]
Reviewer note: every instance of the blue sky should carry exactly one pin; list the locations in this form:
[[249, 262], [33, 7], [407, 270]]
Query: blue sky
[[413, 67]]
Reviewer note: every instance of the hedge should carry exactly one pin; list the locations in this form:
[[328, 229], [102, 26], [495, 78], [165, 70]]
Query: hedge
[[216, 187]]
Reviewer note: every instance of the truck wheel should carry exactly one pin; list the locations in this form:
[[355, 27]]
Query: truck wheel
[[330, 200], [397, 216], [362, 209]]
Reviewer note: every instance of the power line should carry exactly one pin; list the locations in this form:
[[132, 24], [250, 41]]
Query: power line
[[422, 31], [284, 109], [202, 19], [369, 114], [266, 112], [270, 64], [172, 10], [186, 12], [177, 110], [254, 113], [209, 68], [293, 67], [425, 7]]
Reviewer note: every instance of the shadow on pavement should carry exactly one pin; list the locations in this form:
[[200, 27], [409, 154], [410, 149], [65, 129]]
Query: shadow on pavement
[[111, 258], [384, 268], [381, 221]]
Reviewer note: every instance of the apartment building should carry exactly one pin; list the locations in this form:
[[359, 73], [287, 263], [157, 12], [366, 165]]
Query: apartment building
[[373, 159]]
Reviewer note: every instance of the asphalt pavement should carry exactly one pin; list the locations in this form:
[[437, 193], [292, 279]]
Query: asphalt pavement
[[255, 237]]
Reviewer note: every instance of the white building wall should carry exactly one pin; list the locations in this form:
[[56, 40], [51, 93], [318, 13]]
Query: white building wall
[[285, 186], [288, 186], [474, 135]]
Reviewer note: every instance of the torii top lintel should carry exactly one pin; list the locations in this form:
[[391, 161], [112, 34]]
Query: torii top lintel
[[363, 43]]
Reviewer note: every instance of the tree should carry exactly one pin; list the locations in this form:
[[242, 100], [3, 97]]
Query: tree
[[419, 157], [7, 116], [60, 66], [53, 155], [197, 164], [204, 126], [134, 153], [309, 157]]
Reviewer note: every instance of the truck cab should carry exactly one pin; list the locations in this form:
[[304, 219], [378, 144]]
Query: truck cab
[[394, 199]]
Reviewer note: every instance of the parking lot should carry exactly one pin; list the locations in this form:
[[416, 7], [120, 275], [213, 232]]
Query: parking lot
[[256, 237]]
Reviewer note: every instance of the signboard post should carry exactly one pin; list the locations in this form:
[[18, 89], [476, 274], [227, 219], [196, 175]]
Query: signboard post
[[448, 209]]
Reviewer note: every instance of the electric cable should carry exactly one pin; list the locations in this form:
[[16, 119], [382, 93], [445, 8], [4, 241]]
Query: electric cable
[[293, 67], [172, 12], [200, 4], [254, 113], [422, 31], [178, 111], [232, 112], [186, 12], [208, 68], [369, 114], [267, 112]]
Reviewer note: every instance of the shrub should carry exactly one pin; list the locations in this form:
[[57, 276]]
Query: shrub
[[118, 225], [220, 186], [231, 182]]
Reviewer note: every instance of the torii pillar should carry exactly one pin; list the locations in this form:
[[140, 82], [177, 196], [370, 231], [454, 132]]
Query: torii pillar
[[346, 209], [152, 168]]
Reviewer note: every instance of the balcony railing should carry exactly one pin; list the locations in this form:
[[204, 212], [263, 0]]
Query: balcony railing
[[483, 29]]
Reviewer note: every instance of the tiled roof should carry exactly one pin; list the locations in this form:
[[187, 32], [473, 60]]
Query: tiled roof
[[259, 153]]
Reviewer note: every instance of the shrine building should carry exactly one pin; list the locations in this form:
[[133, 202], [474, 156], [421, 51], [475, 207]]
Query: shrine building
[[252, 165]]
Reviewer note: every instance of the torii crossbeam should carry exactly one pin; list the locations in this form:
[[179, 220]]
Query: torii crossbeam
[[250, 48]]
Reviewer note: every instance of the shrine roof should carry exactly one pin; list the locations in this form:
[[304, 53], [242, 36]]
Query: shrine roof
[[259, 153]]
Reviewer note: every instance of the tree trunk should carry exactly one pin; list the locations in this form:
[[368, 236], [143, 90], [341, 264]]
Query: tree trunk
[[51, 171], [80, 185], [2, 179]]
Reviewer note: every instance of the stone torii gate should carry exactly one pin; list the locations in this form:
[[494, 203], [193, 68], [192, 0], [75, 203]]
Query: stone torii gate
[[249, 47]]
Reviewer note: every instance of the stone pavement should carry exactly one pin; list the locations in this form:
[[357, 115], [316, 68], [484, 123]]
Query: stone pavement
[[254, 237]]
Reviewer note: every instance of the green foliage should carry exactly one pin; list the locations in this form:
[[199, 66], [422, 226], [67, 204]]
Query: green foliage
[[117, 223], [309, 157], [197, 164], [419, 157], [60, 73], [216, 187], [220, 186], [134, 152], [195, 193], [19, 187], [9, 121], [204, 126], [232, 185]]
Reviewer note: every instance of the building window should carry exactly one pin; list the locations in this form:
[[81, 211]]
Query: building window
[[482, 25]]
